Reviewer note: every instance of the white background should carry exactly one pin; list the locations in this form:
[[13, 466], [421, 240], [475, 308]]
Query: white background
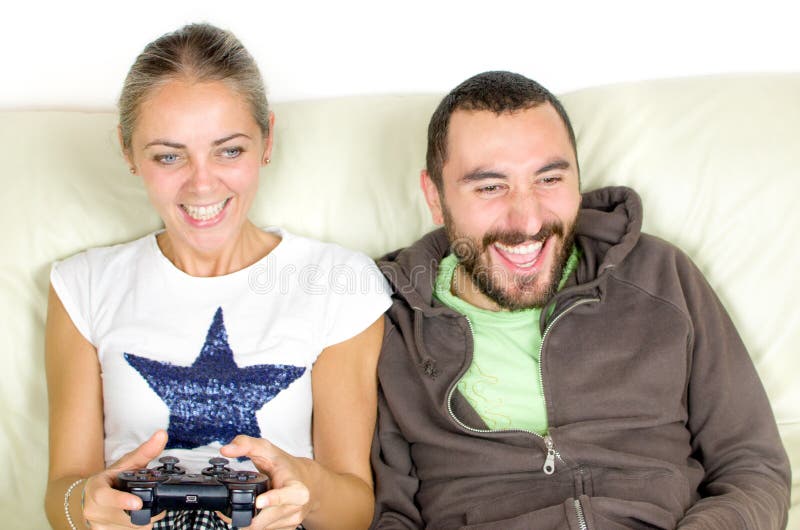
[[74, 54]]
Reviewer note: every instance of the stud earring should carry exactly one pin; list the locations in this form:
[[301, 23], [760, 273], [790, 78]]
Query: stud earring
[[266, 161], [132, 170]]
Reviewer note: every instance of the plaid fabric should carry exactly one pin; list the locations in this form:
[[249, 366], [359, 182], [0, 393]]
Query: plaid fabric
[[191, 520], [194, 520]]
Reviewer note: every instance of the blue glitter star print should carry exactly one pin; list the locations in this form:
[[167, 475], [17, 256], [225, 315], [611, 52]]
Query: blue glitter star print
[[213, 400]]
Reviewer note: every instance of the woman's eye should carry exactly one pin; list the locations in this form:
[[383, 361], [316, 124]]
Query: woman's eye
[[231, 152], [167, 159]]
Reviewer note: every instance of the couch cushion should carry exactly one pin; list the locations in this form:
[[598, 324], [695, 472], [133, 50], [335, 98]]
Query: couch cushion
[[715, 160]]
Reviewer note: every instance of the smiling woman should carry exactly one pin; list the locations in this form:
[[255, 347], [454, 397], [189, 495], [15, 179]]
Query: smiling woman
[[162, 346], [198, 150]]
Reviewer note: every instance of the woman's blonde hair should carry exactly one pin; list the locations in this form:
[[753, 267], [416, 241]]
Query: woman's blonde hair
[[197, 52]]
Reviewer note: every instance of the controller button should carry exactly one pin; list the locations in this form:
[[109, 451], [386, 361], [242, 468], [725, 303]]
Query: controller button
[[242, 497], [145, 494]]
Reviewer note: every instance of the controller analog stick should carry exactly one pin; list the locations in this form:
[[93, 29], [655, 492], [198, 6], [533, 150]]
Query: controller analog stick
[[169, 463]]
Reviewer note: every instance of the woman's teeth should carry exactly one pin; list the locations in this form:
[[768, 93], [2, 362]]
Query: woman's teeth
[[204, 213]]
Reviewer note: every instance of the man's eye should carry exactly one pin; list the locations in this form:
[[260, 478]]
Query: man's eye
[[490, 189], [551, 179], [167, 159]]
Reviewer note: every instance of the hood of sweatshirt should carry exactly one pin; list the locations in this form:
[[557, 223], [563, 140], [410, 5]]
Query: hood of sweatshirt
[[608, 227]]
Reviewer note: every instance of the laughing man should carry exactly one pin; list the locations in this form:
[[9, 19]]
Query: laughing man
[[547, 365]]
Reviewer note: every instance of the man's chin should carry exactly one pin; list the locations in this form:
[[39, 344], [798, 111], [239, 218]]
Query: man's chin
[[523, 293]]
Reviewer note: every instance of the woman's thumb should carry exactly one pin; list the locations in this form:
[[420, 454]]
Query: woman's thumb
[[142, 455]]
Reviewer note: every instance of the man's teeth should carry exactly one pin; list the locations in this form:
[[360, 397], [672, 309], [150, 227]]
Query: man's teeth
[[204, 213], [521, 249]]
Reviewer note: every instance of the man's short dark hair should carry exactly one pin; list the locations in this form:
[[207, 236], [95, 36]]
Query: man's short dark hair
[[495, 91]]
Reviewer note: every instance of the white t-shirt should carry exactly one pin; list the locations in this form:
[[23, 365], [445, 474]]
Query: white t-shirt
[[209, 358]]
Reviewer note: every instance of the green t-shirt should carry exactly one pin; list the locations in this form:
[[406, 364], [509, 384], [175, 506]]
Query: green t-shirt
[[502, 384]]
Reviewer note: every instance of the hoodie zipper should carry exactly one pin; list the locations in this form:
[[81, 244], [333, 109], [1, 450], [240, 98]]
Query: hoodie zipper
[[579, 514], [549, 466]]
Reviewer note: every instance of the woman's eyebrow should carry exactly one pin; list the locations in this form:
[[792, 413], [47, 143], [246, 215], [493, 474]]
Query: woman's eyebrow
[[176, 145], [166, 143], [229, 137]]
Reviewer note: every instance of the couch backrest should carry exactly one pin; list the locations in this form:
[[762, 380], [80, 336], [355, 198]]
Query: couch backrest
[[715, 160]]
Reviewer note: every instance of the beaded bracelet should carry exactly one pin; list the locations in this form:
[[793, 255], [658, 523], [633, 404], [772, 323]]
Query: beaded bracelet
[[66, 502]]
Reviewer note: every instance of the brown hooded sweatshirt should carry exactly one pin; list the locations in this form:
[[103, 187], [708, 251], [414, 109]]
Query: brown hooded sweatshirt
[[657, 418]]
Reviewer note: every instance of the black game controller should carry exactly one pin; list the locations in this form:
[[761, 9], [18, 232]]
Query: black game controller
[[169, 487]]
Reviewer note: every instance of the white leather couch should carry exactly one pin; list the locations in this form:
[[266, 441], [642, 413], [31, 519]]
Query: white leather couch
[[716, 160]]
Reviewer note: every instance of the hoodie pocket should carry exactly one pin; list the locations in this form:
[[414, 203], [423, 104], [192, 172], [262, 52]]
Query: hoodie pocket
[[550, 518], [540, 507], [666, 493], [616, 514], [596, 513]]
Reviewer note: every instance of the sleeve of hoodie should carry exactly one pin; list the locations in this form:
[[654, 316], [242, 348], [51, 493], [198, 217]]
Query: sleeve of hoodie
[[395, 476], [734, 434]]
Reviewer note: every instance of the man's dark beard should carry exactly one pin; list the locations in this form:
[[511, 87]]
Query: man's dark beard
[[469, 255]]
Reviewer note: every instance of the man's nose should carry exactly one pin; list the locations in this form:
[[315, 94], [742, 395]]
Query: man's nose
[[524, 212]]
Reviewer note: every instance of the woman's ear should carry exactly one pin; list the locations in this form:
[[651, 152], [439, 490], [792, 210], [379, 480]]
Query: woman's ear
[[125, 152], [268, 140]]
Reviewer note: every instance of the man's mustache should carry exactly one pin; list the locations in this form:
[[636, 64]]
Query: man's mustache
[[465, 248], [515, 237]]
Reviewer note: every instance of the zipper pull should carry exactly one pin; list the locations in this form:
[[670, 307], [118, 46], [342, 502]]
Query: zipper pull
[[550, 461]]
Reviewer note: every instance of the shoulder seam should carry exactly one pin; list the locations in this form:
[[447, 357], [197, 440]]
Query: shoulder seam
[[664, 301]]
